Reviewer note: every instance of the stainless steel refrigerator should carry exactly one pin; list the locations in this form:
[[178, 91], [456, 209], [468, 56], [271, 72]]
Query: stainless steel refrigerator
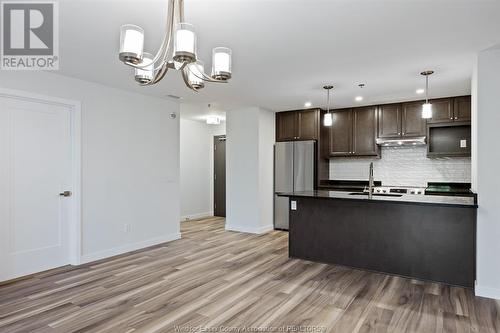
[[293, 171]]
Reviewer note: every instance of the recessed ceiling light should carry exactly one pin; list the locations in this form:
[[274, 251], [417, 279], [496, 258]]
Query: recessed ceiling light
[[359, 98], [308, 104], [420, 91]]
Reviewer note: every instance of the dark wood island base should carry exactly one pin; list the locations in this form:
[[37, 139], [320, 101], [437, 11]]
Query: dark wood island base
[[426, 241]]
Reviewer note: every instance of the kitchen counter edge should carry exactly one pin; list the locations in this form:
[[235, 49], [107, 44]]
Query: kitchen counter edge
[[437, 200]]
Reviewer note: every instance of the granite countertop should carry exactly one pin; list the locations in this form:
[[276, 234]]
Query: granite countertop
[[404, 198]]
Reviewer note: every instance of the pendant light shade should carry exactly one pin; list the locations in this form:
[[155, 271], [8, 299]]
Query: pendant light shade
[[427, 111], [327, 118], [427, 107]]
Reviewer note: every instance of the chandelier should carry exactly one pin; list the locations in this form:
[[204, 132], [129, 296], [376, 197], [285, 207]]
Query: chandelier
[[177, 51]]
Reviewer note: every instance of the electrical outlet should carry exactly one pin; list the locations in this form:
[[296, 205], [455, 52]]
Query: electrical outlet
[[126, 227], [463, 143], [293, 205]]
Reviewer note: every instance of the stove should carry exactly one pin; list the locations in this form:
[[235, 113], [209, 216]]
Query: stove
[[399, 190]]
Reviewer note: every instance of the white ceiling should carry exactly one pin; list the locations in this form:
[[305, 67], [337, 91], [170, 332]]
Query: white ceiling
[[284, 51]]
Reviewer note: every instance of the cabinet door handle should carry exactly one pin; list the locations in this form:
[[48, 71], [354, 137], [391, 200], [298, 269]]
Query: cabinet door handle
[[451, 118], [403, 133], [456, 118]]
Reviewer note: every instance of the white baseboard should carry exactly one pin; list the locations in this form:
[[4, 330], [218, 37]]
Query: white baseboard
[[196, 216], [250, 230], [487, 292], [128, 248]]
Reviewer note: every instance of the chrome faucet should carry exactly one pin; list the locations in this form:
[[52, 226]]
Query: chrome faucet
[[370, 182]]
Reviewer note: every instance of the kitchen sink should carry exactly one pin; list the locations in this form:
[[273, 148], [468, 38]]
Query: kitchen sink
[[377, 194]]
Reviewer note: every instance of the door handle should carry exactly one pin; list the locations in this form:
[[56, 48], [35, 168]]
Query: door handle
[[65, 194]]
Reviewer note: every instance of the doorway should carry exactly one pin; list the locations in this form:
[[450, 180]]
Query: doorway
[[220, 175], [39, 184]]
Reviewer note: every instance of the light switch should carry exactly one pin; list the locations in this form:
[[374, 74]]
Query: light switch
[[293, 205], [463, 143]]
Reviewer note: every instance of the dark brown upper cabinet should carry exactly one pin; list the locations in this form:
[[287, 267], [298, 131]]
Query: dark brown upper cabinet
[[442, 111], [341, 133], [286, 126], [389, 121], [401, 120], [353, 132], [462, 108], [412, 123], [448, 110], [308, 124], [297, 125]]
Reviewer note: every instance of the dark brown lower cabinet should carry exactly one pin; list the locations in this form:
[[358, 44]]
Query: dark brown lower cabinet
[[423, 241]]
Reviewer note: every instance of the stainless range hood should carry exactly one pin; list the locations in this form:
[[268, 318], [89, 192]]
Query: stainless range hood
[[416, 141]]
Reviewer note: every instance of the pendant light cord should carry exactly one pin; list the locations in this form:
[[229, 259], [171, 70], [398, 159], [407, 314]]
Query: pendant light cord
[[328, 100], [427, 89]]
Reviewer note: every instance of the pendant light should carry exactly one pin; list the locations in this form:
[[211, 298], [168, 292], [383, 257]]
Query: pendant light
[[327, 118], [427, 107]]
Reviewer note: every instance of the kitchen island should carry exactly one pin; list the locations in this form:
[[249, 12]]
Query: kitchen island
[[425, 237]]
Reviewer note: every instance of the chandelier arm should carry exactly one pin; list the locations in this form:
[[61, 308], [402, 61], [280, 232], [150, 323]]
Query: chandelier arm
[[166, 42], [205, 77], [186, 80], [161, 73], [181, 10]]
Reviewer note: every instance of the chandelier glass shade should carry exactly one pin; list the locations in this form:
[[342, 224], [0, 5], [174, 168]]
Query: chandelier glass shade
[[178, 51], [145, 75], [131, 43], [195, 74]]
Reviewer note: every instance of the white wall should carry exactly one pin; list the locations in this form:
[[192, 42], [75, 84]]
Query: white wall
[[266, 167], [249, 170], [130, 162], [488, 181], [403, 166], [196, 162]]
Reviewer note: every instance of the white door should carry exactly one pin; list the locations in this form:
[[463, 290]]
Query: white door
[[35, 167]]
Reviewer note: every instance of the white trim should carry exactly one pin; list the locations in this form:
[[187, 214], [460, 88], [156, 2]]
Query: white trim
[[487, 292], [250, 230], [74, 255], [196, 216], [128, 248]]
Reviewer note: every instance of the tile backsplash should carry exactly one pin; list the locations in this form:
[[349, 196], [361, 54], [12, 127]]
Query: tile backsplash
[[403, 166]]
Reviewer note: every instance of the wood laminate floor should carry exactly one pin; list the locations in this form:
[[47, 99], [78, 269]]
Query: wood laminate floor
[[220, 281]]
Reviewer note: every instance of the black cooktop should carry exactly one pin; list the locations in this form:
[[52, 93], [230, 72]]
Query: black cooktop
[[451, 189]]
